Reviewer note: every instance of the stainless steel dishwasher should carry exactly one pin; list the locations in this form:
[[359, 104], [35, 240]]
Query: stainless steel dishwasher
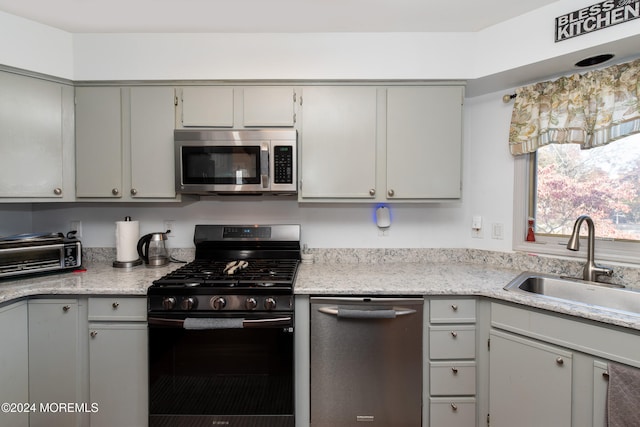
[[366, 362]]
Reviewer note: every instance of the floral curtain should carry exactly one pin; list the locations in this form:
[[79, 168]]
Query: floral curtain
[[590, 109]]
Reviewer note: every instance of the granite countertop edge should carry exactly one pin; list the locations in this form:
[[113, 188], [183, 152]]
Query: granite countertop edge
[[324, 279]]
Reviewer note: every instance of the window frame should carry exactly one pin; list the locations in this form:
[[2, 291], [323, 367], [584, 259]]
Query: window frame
[[545, 245]]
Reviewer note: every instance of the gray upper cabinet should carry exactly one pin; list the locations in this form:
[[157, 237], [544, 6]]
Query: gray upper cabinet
[[36, 139], [381, 144], [236, 107], [338, 143], [268, 106], [124, 143], [99, 142], [424, 142], [207, 106], [152, 152]]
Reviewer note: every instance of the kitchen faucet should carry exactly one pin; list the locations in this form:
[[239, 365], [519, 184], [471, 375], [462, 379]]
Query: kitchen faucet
[[591, 269]]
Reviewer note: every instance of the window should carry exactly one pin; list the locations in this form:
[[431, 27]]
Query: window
[[565, 182], [602, 182]]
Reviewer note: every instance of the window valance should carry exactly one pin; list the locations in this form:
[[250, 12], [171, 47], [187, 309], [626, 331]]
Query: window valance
[[590, 109]]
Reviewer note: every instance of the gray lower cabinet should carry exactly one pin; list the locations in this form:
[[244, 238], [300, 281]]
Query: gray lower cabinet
[[54, 368], [452, 365], [118, 375], [14, 374], [549, 369], [530, 383]]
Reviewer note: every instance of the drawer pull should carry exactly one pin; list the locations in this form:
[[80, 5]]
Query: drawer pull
[[454, 307], [454, 407], [560, 361], [93, 334], [66, 308], [115, 305], [454, 370], [454, 334]]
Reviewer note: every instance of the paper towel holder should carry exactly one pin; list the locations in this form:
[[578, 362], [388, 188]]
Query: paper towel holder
[[127, 264]]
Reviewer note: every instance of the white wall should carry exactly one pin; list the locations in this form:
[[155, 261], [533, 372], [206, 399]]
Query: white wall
[[487, 191], [16, 219], [31, 46]]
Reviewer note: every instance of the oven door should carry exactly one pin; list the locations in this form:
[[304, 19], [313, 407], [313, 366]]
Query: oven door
[[204, 166], [223, 370]]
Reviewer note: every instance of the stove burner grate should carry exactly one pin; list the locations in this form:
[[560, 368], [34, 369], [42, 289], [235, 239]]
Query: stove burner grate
[[216, 273]]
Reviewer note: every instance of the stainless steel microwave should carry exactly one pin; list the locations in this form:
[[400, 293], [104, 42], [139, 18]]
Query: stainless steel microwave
[[236, 161]]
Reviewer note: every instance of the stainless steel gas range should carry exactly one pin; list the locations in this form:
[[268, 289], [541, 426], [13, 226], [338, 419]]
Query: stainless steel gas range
[[221, 330]]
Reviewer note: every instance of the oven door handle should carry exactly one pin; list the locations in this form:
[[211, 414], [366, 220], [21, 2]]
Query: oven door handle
[[285, 322], [273, 322]]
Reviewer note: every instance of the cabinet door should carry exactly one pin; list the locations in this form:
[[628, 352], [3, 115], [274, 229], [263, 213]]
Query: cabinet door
[[31, 137], [152, 152], [268, 106], [14, 375], [530, 383], [424, 142], [53, 360], [118, 378], [98, 142], [338, 142], [207, 106], [600, 387]]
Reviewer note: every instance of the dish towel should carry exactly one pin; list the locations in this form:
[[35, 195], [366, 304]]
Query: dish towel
[[623, 396], [198, 323]]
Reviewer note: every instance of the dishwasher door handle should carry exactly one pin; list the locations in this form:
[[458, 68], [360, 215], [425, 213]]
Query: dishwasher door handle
[[348, 313]]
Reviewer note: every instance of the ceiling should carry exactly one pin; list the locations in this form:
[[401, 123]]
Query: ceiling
[[281, 16]]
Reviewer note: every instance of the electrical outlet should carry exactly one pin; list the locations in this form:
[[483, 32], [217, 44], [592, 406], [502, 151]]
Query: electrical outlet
[[497, 231], [76, 226], [168, 226]]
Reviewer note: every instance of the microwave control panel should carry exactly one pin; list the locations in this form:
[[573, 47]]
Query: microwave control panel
[[283, 164]]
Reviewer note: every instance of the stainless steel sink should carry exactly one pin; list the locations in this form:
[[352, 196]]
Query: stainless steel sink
[[602, 295]]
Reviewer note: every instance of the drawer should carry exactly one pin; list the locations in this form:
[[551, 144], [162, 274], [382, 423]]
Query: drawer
[[452, 342], [125, 309], [452, 378], [460, 412], [453, 310]]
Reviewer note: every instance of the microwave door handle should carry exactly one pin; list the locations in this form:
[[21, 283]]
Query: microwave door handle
[[264, 166]]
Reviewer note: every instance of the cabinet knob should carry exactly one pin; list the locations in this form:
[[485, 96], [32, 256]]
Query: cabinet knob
[[115, 191], [57, 191], [454, 370], [560, 361], [454, 334], [372, 192], [93, 334], [391, 193], [454, 407], [66, 308], [134, 191], [454, 307], [115, 305]]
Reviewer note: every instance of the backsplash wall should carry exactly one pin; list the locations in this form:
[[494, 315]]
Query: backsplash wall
[[323, 226]]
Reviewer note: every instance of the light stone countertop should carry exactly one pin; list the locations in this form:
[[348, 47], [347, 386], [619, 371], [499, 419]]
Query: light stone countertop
[[349, 272], [402, 278]]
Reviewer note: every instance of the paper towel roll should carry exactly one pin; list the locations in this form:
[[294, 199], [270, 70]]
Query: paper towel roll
[[127, 235]]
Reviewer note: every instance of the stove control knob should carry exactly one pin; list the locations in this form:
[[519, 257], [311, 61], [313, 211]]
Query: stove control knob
[[218, 303], [270, 303], [250, 303], [169, 303], [189, 303]]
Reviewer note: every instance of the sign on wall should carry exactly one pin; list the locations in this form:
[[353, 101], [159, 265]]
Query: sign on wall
[[596, 17]]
